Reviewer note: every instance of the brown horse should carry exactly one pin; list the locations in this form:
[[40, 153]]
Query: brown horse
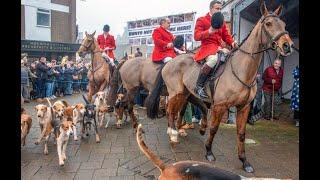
[[136, 72], [99, 73], [235, 87]]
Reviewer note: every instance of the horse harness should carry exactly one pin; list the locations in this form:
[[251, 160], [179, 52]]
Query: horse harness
[[271, 44], [92, 56]]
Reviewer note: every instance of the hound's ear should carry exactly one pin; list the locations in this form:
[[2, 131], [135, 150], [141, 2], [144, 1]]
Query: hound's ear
[[73, 107], [263, 9], [278, 11], [86, 33], [93, 33]]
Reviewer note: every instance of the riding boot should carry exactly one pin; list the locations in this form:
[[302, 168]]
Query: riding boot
[[202, 78]]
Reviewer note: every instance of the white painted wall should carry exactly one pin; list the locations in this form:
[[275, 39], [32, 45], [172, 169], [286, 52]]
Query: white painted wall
[[32, 31]]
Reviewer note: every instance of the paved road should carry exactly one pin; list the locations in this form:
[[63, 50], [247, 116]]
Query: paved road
[[117, 155]]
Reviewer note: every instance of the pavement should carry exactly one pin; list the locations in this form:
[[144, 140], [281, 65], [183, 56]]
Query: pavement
[[117, 156]]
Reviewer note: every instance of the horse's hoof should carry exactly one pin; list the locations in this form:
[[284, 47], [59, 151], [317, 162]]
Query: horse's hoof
[[248, 168], [202, 132], [210, 157]]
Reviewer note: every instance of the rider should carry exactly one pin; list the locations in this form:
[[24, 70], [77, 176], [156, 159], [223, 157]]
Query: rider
[[163, 42], [107, 44], [210, 34]]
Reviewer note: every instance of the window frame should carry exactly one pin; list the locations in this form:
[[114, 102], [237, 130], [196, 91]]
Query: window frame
[[43, 11]]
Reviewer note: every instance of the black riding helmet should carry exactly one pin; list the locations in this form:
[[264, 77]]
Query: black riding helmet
[[106, 28], [217, 20], [178, 41]]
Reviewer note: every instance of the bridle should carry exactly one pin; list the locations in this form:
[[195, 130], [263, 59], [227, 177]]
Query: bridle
[[271, 44]]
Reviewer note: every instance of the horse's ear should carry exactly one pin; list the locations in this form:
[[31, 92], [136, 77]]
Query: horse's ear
[[93, 33], [86, 33], [278, 10], [263, 9]]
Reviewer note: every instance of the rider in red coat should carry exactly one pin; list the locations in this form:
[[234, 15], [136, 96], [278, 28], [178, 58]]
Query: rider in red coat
[[107, 43], [210, 30], [163, 43]]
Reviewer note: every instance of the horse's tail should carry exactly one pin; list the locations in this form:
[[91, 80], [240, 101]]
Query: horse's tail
[[114, 84], [152, 101], [143, 147]]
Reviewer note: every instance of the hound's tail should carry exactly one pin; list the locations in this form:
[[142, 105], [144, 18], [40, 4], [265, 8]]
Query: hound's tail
[[143, 147]]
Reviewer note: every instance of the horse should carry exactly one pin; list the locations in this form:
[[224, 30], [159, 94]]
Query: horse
[[99, 74], [236, 86], [131, 74]]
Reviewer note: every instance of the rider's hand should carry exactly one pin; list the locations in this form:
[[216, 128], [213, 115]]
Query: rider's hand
[[273, 81], [169, 45], [212, 30]]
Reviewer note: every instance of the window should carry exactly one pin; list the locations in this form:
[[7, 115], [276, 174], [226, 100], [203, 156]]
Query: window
[[43, 17]]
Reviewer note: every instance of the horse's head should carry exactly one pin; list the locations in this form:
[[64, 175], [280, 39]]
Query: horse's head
[[87, 45], [274, 32]]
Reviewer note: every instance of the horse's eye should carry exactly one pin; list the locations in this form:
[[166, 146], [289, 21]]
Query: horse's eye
[[268, 24]]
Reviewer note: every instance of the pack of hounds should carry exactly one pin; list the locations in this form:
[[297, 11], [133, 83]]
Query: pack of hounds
[[61, 120]]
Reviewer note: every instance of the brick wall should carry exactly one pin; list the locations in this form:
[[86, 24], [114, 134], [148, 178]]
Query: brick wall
[[60, 27], [62, 2]]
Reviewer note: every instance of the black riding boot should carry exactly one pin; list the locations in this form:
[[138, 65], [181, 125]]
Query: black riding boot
[[202, 78]]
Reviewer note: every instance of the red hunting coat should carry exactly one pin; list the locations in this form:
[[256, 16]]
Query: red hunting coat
[[209, 43], [269, 74], [107, 42], [161, 37]]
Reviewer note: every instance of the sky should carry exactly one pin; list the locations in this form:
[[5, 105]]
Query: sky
[[92, 15]]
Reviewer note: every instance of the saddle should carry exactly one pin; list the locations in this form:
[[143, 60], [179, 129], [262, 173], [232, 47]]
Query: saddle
[[218, 69]]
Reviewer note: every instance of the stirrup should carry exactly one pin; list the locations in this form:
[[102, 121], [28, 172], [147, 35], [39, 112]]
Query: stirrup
[[201, 92]]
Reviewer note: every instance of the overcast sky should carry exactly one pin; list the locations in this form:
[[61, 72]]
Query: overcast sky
[[94, 14]]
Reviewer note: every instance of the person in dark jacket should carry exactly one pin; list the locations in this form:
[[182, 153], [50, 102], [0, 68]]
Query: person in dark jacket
[[272, 81], [50, 81], [84, 78], [41, 72], [68, 78]]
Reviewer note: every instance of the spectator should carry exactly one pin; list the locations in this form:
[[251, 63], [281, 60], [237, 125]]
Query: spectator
[[295, 96], [41, 72], [272, 78], [68, 78], [196, 114], [187, 118], [25, 84], [61, 79], [76, 78], [84, 78], [50, 81], [138, 53], [56, 75]]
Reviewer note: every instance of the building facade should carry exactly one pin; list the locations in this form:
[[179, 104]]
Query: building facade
[[48, 28]]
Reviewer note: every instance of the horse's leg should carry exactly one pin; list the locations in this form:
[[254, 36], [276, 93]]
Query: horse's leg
[[96, 130], [174, 107], [242, 116], [199, 103], [130, 101], [90, 92], [119, 115], [182, 132], [217, 113], [103, 85]]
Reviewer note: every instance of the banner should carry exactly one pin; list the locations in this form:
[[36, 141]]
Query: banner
[[140, 31]]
